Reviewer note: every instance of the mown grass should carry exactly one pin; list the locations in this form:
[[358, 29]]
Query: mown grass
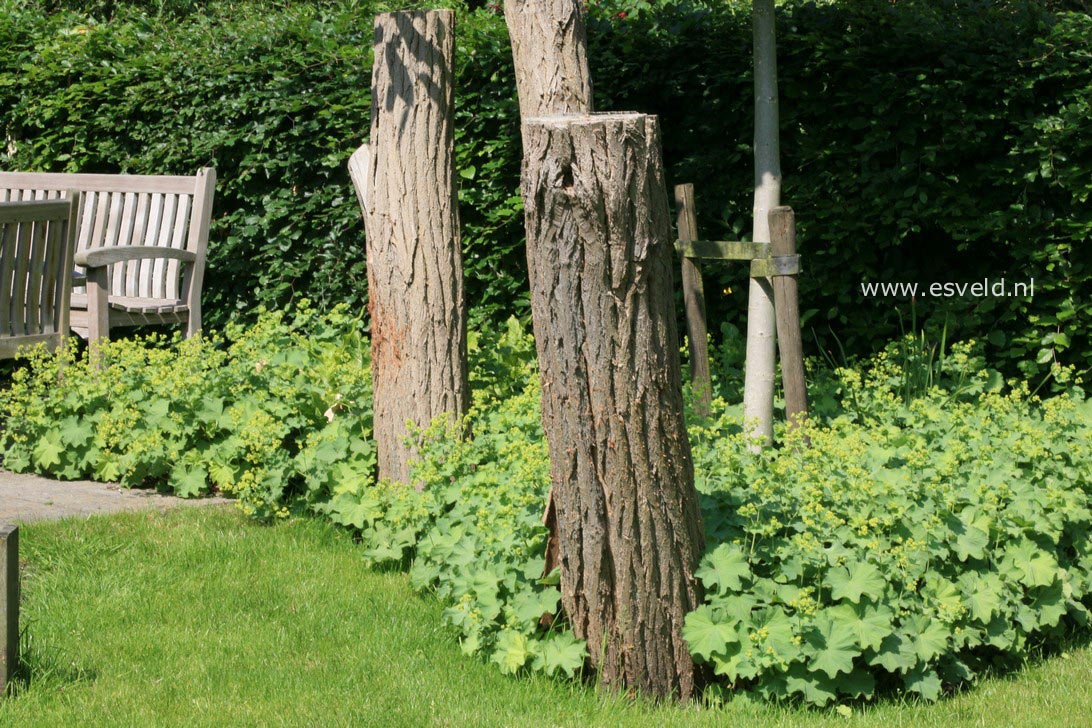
[[198, 617]]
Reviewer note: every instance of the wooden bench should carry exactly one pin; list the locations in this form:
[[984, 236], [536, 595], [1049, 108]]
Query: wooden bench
[[37, 242], [142, 240]]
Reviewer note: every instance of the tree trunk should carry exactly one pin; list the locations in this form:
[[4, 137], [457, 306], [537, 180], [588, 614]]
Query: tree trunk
[[550, 51], [758, 386], [405, 182], [600, 258]]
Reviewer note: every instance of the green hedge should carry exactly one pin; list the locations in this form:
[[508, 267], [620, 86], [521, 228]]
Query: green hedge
[[922, 141]]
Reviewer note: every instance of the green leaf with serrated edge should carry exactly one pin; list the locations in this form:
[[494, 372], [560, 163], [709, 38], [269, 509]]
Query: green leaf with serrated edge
[[869, 624], [47, 451], [705, 633], [857, 580], [560, 652], [928, 636], [188, 481], [896, 654], [1033, 565], [924, 682], [982, 593], [773, 632], [816, 689], [858, 684], [512, 651], [724, 569], [833, 645], [1049, 603]]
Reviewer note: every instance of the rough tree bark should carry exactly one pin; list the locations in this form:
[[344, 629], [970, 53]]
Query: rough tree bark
[[550, 51], [758, 385], [405, 182], [600, 258]]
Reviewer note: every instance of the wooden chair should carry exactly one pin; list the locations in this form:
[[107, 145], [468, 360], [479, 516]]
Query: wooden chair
[[142, 240], [37, 243]]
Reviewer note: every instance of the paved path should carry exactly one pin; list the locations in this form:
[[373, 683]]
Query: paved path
[[31, 498]]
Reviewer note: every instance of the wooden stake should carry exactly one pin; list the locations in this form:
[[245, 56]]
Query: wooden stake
[[783, 244], [9, 604], [693, 290]]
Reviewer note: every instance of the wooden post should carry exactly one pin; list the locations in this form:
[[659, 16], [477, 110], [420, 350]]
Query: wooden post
[[600, 259], [406, 187], [693, 289], [783, 245], [9, 604]]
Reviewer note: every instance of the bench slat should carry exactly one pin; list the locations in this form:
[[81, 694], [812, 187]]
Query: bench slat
[[168, 184]]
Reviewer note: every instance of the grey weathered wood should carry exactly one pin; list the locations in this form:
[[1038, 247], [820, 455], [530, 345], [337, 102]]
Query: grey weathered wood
[[693, 289], [722, 249], [36, 247], [600, 261], [415, 277], [778, 265], [783, 245], [100, 257], [9, 604], [121, 212]]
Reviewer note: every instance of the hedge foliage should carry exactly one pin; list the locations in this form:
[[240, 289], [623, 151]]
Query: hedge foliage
[[921, 141]]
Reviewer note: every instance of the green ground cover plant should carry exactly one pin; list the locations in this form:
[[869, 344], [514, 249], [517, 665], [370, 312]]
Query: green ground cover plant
[[936, 527], [198, 617], [276, 416]]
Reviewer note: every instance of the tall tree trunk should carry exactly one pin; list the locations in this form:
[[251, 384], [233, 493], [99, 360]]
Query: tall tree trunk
[[600, 258], [758, 387], [550, 51], [405, 182]]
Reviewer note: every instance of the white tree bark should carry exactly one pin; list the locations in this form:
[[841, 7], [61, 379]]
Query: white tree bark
[[758, 387]]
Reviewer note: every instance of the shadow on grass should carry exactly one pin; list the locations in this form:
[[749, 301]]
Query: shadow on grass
[[42, 665]]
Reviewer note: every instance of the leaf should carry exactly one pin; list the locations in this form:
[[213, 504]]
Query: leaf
[[706, 634], [188, 481], [1033, 565], [816, 689], [859, 579], [982, 594], [561, 652], [927, 636], [48, 449], [512, 651], [896, 654], [924, 682], [869, 624], [725, 569], [834, 645]]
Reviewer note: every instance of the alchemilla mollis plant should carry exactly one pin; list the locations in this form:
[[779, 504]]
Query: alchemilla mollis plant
[[928, 529]]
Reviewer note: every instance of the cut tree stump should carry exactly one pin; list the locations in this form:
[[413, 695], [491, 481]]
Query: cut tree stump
[[599, 250], [405, 183]]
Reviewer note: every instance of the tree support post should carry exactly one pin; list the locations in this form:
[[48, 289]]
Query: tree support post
[[600, 259], [694, 302], [9, 604], [782, 223]]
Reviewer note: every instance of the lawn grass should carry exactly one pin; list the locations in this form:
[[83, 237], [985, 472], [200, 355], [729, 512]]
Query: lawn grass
[[199, 617]]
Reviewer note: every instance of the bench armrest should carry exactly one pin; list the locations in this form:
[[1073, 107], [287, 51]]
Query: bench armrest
[[99, 257]]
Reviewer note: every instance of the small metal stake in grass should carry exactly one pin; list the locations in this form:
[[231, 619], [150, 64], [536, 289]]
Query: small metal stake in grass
[[9, 603]]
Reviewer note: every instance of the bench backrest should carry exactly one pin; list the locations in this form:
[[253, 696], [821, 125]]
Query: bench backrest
[[120, 209], [36, 249]]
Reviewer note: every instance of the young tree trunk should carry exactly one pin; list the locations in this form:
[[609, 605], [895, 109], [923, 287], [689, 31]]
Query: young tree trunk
[[550, 51], [600, 258], [405, 182], [758, 386]]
